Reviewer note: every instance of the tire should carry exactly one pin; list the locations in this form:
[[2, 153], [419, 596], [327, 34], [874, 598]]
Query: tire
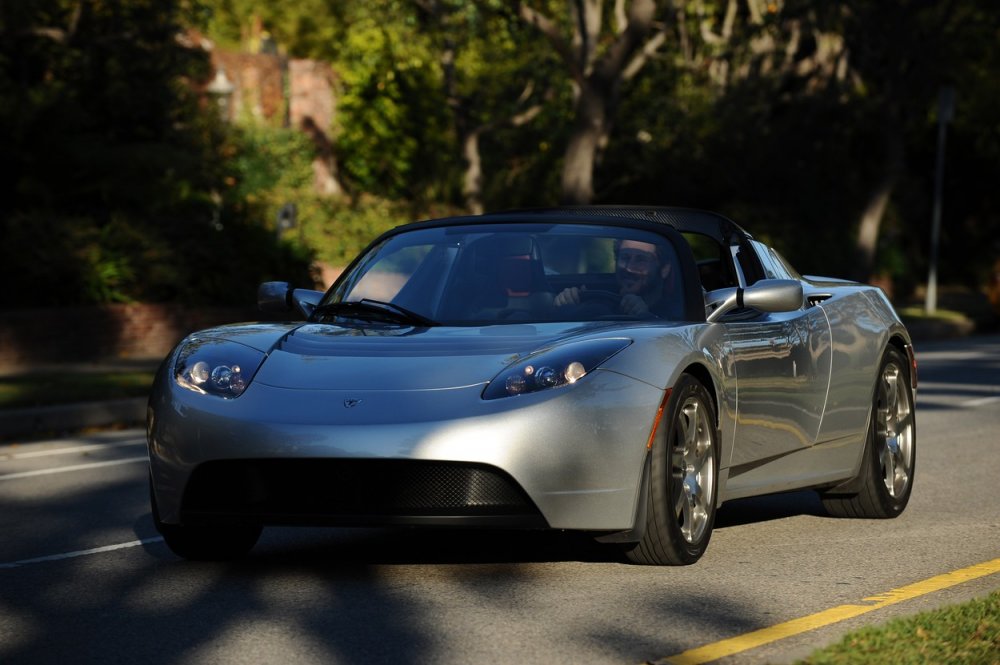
[[889, 460], [683, 482], [205, 543]]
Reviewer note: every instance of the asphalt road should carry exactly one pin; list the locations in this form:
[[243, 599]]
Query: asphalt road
[[84, 577]]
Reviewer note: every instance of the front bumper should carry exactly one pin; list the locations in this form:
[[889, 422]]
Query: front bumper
[[573, 456]]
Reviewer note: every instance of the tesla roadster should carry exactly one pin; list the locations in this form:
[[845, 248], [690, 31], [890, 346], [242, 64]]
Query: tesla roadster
[[621, 371]]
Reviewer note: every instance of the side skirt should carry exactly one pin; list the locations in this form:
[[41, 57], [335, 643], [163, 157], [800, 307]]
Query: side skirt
[[820, 465]]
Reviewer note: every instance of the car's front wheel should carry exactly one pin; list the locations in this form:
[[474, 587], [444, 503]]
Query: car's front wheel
[[205, 543], [683, 482], [885, 479]]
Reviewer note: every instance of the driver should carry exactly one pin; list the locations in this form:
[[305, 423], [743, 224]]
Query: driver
[[641, 274]]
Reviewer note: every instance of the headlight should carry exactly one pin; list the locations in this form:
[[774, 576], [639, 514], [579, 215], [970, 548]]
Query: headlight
[[216, 367], [553, 368]]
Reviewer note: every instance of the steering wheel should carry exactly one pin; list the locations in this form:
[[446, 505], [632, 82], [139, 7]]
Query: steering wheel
[[608, 299]]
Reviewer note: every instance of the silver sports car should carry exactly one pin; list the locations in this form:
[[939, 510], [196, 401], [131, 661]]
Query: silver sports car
[[622, 371]]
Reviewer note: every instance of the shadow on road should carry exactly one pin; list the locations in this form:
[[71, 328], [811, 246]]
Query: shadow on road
[[767, 508], [326, 548], [344, 595], [330, 547]]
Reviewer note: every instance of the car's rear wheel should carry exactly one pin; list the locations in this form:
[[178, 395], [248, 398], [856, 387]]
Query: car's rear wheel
[[205, 543], [889, 459], [683, 482]]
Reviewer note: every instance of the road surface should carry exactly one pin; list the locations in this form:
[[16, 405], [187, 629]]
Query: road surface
[[84, 577]]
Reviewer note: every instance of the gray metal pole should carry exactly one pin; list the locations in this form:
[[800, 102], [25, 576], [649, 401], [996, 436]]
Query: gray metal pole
[[946, 109]]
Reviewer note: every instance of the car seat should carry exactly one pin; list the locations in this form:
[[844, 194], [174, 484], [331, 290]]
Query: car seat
[[509, 278]]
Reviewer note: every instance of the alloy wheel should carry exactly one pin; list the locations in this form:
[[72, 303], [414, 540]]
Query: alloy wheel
[[693, 470]]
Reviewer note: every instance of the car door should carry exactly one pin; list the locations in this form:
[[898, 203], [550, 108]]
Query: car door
[[782, 366]]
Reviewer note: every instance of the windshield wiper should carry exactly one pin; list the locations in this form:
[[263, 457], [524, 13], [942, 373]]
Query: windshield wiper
[[368, 308]]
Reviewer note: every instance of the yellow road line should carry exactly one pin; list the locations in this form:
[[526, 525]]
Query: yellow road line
[[740, 643]]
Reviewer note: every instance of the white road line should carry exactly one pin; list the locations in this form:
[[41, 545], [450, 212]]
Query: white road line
[[982, 401], [75, 467], [73, 555], [940, 356], [75, 449]]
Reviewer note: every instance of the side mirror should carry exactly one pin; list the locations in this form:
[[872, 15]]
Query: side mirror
[[767, 295], [280, 298], [274, 297]]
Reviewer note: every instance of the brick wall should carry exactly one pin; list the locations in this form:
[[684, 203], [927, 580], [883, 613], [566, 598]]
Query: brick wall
[[258, 84], [88, 334], [310, 91], [312, 106]]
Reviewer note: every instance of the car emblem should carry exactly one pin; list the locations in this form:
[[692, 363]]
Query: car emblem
[[351, 403]]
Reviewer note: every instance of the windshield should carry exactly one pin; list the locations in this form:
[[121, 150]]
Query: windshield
[[514, 273]]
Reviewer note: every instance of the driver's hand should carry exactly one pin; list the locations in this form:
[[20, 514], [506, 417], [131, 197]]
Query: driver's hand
[[570, 296], [634, 305]]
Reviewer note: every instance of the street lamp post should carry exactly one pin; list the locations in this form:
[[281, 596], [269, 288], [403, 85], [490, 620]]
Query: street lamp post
[[946, 111]]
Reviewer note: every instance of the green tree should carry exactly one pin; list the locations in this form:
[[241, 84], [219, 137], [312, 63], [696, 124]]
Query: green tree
[[118, 160], [392, 125], [598, 61]]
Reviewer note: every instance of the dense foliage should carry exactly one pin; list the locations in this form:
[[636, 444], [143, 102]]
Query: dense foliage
[[815, 123], [117, 166]]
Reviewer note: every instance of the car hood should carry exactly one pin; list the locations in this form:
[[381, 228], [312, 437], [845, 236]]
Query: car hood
[[330, 357]]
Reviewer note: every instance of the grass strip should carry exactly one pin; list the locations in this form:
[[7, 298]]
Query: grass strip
[[919, 313], [966, 634], [50, 389]]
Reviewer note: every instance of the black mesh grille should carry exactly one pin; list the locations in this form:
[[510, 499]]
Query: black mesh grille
[[322, 490]]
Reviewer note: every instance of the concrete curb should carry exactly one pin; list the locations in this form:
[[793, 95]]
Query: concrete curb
[[38, 420]]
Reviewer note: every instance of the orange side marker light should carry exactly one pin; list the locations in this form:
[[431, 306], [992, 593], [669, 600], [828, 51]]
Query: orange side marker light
[[658, 418]]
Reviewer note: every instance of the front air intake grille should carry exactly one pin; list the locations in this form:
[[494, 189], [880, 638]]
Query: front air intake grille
[[344, 491]]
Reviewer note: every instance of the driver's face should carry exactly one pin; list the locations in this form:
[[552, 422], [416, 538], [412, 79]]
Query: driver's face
[[638, 269]]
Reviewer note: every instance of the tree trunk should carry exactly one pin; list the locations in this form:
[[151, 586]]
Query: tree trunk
[[472, 182], [878, 201], [596, 77], [871, 222], [581, 152]]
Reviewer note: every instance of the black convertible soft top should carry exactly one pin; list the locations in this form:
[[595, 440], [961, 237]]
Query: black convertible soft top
[[686, 220]]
